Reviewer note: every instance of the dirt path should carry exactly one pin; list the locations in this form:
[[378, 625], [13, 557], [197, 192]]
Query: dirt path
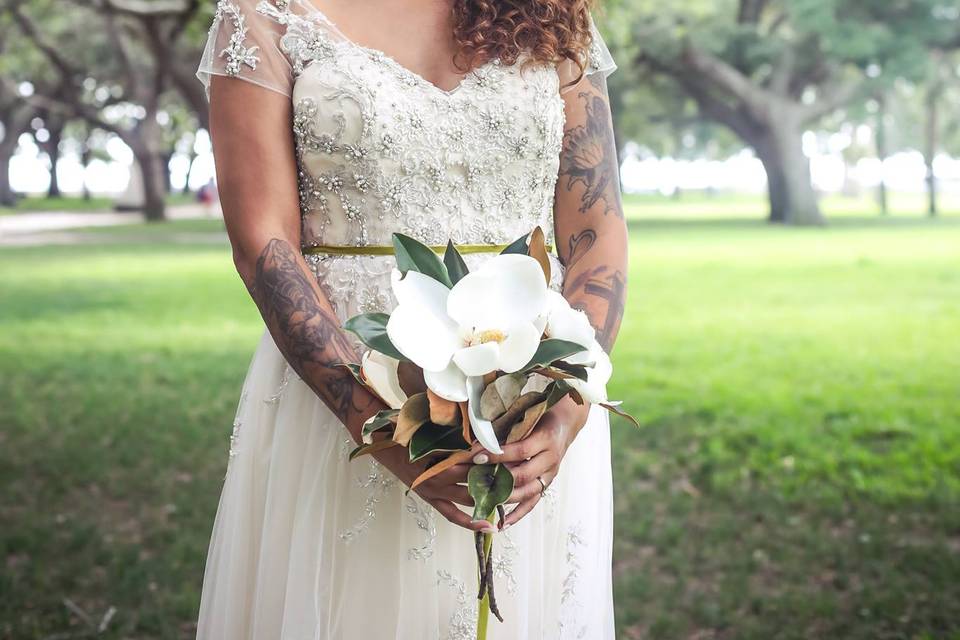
[[59, 227]]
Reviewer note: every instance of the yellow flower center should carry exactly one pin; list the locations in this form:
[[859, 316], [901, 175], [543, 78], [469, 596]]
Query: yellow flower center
[[488, 335]]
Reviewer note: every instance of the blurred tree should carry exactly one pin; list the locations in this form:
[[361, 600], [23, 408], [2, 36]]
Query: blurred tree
[[769, 69], [112, 63]]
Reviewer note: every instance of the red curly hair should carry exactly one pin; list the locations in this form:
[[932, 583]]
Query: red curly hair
[[551, 31]]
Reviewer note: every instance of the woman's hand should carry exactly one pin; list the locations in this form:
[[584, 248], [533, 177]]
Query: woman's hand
[[443, 491], [538, 455]]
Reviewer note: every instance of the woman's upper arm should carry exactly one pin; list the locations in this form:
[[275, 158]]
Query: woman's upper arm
[[256, 164], [249, 81]]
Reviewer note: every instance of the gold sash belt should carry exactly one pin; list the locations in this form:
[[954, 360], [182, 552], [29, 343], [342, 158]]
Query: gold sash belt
[[334, 250]]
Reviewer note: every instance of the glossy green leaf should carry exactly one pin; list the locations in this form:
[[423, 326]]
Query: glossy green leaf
[[551, 350], [432, 438], [489, 485], [518, 246], [456, 267], [371, 328], [381, 420], [413, 255], [575, 370]]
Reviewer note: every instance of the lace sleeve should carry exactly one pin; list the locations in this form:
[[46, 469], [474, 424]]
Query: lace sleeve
[[244, 43], [597, 59]]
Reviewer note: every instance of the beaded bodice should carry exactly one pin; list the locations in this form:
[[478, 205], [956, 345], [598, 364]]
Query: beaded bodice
[[380, 149]]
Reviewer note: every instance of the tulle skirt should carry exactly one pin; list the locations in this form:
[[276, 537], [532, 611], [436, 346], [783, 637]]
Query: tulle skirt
[[308, 545]]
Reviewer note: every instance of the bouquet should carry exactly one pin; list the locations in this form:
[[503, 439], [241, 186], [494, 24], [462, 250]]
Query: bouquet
[[474, 357]]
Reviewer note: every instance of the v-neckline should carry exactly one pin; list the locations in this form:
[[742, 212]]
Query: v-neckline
[[390, 60]]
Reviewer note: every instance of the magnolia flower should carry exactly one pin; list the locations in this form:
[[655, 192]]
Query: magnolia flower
[[380, 373], [566, 323], [594, 389], [491, 320]]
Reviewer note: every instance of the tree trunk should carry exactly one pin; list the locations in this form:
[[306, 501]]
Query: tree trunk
[[882, 153], [85, 157], [52, 149], [930, 148], [15, 122], [186, 182], [793, 199], [7, 197], [154, 186]]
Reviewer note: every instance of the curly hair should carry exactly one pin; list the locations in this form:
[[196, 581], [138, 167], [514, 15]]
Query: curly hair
[[550, 31]]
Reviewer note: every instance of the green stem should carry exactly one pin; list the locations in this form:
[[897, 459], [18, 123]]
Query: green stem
[[483, 613]]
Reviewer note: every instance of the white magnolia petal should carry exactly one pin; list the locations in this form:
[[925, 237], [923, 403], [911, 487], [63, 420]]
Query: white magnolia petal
[[505, 291], [567, 323], [518, 347], [482, 429], [427, 340], [420, 291], [594, 389], [449, 384], [380, 373], [479, 359]]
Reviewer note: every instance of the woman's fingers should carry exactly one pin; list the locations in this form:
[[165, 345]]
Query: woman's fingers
[[452, 492], [450, 511], [518, 451], [525, 475], [454, 475], [522, 509]]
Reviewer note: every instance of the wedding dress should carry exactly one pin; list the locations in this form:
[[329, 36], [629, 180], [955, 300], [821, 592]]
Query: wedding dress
[[308, 545]]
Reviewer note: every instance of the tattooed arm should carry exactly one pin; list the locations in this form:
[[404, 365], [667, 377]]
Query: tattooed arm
[[257, 174], [592, 244], [588, 215]]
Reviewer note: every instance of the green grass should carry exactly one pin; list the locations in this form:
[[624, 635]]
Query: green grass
[[34, 203], [797, 474]]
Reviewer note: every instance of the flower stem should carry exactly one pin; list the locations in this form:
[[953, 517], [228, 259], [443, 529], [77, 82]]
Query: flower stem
[[483, 612]]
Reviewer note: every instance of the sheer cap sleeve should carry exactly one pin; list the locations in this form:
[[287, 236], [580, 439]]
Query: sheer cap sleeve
[[597, 59], [244, 43]]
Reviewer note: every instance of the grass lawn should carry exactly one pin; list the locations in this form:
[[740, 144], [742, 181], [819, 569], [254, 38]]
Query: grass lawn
[[76, 203], [797, 474]]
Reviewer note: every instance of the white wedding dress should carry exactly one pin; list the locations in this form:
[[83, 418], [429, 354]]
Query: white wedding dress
[[308, 545]]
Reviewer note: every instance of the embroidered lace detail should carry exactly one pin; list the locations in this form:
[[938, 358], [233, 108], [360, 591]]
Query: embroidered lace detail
[[570, 626], [237, 53], [503, 562], [424, 515], [380, 149], [378, 484], [463, 621], [235, 432], [274, 398]]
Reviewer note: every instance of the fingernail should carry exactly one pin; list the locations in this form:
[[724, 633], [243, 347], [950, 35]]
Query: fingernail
[[485, 526], [481, 458], [505, 527]]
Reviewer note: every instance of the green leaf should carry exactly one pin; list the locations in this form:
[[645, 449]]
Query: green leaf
[[354, 369], [372, 447], [381, 420], [612, 408], [575, 370], [413, 255], [489, 485], [432, 438], [371, 328], [517, 246], [456, 267], [551, 350]]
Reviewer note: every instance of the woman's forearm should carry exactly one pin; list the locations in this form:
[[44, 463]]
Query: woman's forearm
[[306, 330], [590, 227]]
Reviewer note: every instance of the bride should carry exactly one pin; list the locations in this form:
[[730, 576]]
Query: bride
[[474, 120]]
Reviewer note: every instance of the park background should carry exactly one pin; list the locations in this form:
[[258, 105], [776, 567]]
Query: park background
[[791, 342]]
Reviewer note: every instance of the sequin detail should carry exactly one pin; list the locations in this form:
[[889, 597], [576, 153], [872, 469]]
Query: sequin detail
[[236, 53]]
